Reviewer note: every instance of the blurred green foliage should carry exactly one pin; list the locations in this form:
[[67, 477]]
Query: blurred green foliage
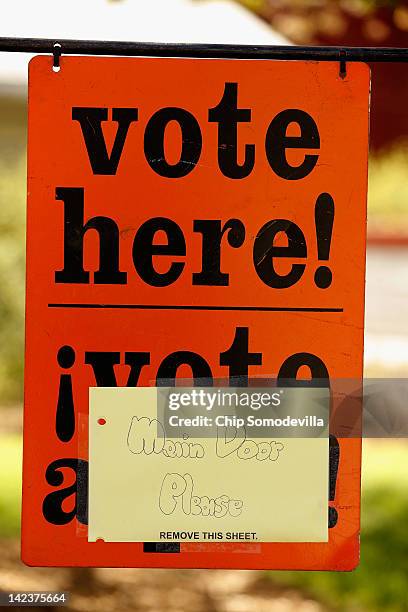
[[253, 5], [388, 190], [380, 583], [12, 277], [10, 484], [257, 5]]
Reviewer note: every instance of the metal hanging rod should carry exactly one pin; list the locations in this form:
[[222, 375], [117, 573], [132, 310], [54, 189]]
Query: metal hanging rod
[[105, 47]]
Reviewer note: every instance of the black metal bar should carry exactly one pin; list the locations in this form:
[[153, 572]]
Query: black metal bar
[[105, 47]]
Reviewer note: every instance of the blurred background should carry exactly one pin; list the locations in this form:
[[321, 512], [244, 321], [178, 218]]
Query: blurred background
[[381, 581]]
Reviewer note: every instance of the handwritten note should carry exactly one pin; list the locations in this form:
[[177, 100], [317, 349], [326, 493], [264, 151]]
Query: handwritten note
[[149, 488]]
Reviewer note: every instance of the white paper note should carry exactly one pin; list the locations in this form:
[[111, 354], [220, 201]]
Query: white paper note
[[143, 488]]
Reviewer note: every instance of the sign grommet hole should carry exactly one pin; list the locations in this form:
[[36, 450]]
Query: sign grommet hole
[[101, 421]]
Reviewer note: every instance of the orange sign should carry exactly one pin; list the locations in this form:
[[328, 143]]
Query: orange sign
[[187, 219]]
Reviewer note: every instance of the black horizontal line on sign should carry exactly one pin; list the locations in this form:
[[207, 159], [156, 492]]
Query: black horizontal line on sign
[[190, 307]]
